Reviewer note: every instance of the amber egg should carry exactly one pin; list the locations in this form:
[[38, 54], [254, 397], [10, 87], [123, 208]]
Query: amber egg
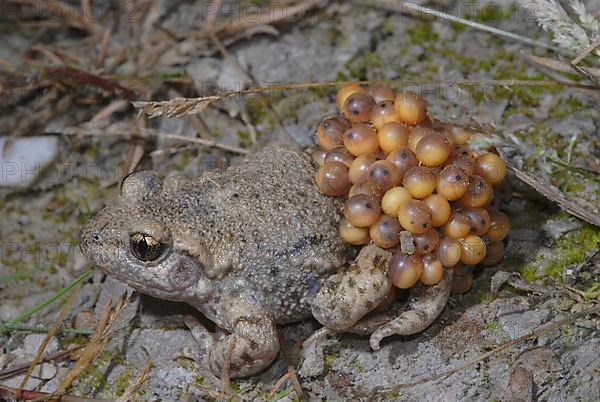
[[354, 235], [411, 107], [381, 92], [358, 107], [360, 167], [499, 226], [318, 155], [330, 133], [332, 179], [420, 181], [362, 210], [440, 209], [462, 162], [459, 135], [367, 188], [386, 232], [383, 113], [452, 183], [392, 136], [404, 159], [361, 139], [461, 151], [339, 154], [404, 270], [433, 150], [504, 191], [416, 135], [458, 225], [473, 250], [449, 251], [433, 270], [415, 216], [393, 198], [384, 174], [462, 283], [462, 269], [426, 242], [345, 91], [479, 193], [491, 167], [479, 219], [494, 253]]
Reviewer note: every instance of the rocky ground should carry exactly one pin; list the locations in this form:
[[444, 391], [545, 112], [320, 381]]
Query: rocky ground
[[156, 51]]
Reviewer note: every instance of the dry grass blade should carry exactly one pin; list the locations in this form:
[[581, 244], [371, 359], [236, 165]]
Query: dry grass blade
[[563, 67], [175, 107], [8, 394], [544, 328], [94, 347], [587, 213], [61, 317], [587, 51], [417, 10], [68, 13], [130, 392], [18, 369], [182, 106], [125, 130]]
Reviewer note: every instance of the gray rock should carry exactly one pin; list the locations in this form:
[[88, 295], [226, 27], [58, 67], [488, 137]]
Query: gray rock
[[33, 342], [519, 320], [44, 371], [23, 159]]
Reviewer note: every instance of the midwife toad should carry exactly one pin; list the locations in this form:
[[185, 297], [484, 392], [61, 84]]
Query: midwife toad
[[253, 247]]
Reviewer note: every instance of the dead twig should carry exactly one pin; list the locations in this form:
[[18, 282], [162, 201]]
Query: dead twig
[[576, 208], [126, 131]]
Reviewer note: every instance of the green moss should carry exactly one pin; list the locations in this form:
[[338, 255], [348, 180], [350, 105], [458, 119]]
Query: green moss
[[571, 249], [422, 33], [329, 360], [359, 367], [492, 12], [529, 273], [358, 67], [123, 381]]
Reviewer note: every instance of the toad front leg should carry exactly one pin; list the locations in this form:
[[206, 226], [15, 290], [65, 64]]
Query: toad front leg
[[252, 344]]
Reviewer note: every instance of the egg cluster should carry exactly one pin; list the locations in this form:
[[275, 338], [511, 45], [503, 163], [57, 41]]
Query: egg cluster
[[403, 171]]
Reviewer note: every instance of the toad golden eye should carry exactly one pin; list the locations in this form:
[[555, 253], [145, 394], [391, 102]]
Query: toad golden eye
[[145, 247]]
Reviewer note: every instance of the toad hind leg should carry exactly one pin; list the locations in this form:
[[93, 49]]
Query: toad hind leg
[[344, 298], [425, 305]]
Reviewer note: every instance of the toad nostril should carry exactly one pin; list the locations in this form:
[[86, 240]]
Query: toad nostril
[[96, 237]]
